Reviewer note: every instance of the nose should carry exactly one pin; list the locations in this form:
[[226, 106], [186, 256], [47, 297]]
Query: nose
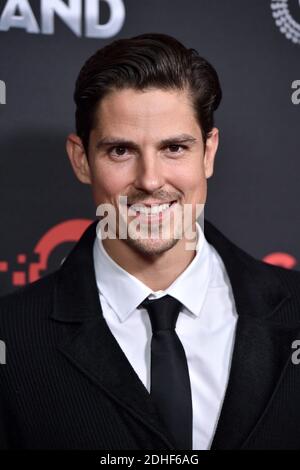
[[149, 174]]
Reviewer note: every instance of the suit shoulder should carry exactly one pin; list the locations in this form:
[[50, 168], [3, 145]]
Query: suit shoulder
[[290, 278], [35, 296]]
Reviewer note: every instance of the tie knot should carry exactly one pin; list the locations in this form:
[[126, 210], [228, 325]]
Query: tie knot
[[163, 312]]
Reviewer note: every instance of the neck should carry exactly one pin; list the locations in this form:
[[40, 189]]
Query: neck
[[159, 271]]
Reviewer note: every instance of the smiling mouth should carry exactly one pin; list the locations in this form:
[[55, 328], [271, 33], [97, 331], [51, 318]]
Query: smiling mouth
[[150, 209]]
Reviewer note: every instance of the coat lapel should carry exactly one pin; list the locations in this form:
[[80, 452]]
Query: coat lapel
[[262, 347], [261, 351], [88, 342]]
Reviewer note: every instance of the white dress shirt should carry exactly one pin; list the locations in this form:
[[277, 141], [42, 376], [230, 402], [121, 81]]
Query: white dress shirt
[[205, 326]]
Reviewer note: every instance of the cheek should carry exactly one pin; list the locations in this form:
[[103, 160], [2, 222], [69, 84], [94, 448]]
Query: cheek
[[192, 179], [107, 182], [194, 187]]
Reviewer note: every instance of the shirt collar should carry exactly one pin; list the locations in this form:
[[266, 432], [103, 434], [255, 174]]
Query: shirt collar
[[124, 292]]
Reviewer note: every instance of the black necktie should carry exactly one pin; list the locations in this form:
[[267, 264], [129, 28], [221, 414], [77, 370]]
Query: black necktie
[[170, 382]]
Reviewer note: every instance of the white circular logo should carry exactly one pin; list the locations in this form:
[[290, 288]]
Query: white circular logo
[[284, 20]]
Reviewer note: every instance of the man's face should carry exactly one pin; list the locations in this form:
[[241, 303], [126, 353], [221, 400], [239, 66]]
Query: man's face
[[147, 145]]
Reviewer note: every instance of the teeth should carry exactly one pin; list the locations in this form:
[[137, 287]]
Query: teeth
[[150, 210]]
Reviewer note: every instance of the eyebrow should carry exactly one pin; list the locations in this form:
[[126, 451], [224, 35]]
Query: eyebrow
[[178, 139]]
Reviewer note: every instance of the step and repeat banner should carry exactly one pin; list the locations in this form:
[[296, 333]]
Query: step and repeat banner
[[254, 194]]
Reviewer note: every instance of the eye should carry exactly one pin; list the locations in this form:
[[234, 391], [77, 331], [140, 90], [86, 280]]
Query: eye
[[176, 148], [118, 151]]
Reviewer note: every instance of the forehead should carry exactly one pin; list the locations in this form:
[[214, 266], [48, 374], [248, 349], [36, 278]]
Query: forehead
[[152, 113]]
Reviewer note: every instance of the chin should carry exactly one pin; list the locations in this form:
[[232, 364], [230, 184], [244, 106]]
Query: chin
[[153, 246]]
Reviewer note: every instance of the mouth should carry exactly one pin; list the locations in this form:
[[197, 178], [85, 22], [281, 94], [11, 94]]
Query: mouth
[[150, 209]]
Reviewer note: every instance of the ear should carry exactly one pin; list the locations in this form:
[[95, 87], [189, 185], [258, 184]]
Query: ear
[[78, 158], [212, 143]]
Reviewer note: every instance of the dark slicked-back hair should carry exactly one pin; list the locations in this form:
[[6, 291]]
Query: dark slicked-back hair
[[147, 61]]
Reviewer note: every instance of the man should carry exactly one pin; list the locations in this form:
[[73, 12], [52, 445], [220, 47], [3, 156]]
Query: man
[[141, 342]]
